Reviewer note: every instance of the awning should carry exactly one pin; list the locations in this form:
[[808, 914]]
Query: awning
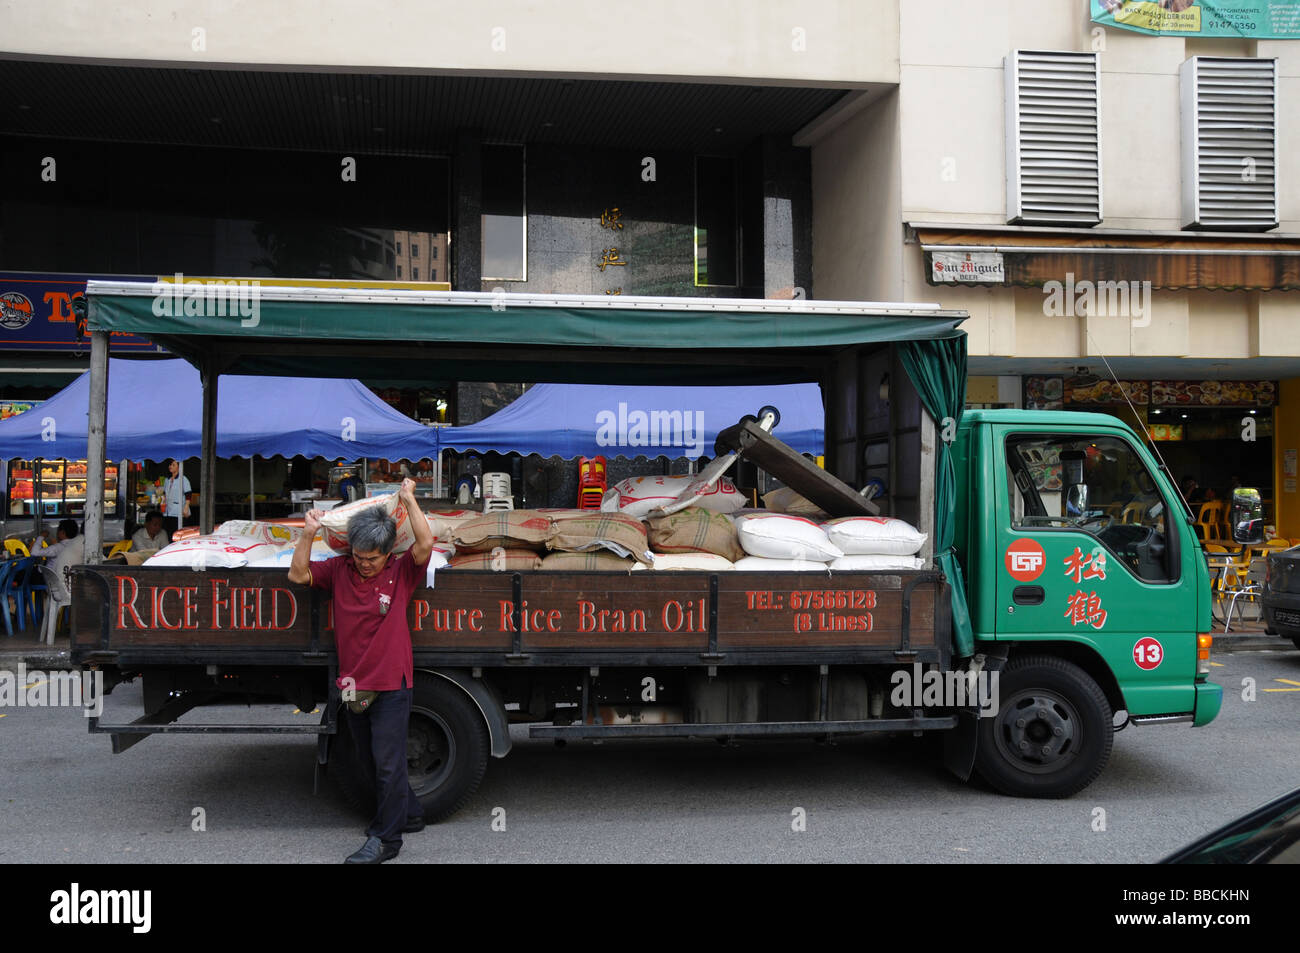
[[155, 412], [423, 336], [1169, 260], [572, 420]]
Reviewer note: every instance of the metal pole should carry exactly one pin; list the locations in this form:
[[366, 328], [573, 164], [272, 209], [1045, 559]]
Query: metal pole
[[96, 441], [252, 506], [208, 465]]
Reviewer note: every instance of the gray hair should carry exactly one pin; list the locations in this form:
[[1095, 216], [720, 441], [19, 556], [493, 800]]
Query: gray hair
[[372, 530]]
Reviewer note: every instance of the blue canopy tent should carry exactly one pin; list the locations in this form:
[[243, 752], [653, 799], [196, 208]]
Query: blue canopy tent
[[155, 412], [586, 420]]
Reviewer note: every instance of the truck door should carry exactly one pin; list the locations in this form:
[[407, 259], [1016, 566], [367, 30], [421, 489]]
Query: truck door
[[1093, 550]]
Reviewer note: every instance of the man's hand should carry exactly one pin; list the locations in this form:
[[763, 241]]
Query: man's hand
[[300, 567], [311, 522], [422, 548]]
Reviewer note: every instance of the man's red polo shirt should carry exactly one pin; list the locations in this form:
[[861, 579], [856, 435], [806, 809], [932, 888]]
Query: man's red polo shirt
[[370, 628]]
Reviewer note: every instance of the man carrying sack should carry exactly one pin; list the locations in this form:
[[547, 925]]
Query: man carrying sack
[[371, 589]]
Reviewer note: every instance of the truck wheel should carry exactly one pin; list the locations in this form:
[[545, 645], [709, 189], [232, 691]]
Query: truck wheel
[[1052, 733], [446, 752], [1295, 640]]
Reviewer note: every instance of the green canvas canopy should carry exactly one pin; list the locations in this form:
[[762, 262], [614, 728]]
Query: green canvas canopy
[[234, 326]]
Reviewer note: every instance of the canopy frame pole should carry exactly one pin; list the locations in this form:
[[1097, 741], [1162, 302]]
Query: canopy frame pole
[[252, 504], [96, 446], [209, 375]]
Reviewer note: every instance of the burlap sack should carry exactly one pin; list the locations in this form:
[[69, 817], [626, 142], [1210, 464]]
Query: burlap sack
[[695, 530], [581, 531], [503, 560], [598, 561], [508, 529]]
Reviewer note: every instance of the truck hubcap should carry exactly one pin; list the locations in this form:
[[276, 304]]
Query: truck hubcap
[[1038, 731], [430, 750]]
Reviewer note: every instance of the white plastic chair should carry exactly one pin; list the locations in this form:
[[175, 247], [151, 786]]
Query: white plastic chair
[[496, 492], [59, 599]]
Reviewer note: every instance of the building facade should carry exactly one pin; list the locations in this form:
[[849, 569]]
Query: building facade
[[1105, 204]]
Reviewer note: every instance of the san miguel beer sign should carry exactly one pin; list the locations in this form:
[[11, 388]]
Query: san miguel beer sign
[[472, 610]]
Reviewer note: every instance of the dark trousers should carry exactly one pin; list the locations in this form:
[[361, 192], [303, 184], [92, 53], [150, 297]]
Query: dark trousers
[[381, 742]]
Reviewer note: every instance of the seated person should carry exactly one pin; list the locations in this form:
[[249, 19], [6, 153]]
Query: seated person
[[70, 550], [153, 535]]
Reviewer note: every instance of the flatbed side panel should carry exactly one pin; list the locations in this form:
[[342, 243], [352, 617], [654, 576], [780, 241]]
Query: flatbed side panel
[[247, 613]]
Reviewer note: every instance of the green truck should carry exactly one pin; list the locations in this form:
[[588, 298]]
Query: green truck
[[1063, 593]]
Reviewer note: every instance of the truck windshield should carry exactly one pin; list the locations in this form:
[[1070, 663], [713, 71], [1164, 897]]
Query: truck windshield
[[1098, 485]]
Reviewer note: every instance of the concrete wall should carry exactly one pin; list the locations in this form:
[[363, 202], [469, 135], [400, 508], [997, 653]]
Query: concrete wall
[[857, 228], [1286, 436], [816, 41]]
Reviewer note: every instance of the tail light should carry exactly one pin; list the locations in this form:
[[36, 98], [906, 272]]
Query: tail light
[[1203, 643]]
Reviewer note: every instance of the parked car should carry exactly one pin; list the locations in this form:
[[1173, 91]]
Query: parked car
[[1270, 834], [1281, 597]]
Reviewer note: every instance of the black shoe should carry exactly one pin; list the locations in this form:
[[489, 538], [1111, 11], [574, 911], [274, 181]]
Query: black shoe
[[373, 851], [414, 824]]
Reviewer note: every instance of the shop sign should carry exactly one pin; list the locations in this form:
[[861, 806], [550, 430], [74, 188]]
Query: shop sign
[[1213, 393], [948, 267], [1253, 19], [37, 313]]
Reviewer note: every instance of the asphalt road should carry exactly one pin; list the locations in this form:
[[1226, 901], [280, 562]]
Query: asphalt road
[[64, 797]]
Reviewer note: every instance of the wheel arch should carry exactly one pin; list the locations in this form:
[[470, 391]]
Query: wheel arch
[[1084, 656], [485, 698]]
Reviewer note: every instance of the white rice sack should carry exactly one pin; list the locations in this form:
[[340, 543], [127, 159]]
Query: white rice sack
[[266, 532], [878, 563], [777, 536], [698, 562], [212, 552], [282, 557], [763, 564], [874, 536], [334, 524], [637, 496]]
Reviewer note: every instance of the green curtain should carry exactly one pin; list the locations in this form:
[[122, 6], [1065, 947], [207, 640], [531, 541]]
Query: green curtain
[[938, 371]]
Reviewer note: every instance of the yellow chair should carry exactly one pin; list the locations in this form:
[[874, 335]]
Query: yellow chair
[[1133, 513], [121, 547], [1210, 521], [16, 547]]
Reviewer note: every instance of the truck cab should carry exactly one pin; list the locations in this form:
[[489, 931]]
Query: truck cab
[[1078, 551]]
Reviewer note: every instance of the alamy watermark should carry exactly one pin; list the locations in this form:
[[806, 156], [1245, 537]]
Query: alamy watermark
[[37, 689], [950, 689], [209, 299], [1102, 299], [651, 428]]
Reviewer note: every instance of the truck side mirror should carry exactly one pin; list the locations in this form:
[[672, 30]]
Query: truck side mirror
[[1247, 516], [1076, 500]]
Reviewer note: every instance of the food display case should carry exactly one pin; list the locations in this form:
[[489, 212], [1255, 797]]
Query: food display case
[[56, 488]]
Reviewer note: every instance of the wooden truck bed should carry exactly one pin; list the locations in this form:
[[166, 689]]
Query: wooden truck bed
[[138, 616]]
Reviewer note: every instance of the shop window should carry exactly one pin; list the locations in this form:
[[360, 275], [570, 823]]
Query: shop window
[[1053, 139], [504, 214], [1229, 119], [717, 222]]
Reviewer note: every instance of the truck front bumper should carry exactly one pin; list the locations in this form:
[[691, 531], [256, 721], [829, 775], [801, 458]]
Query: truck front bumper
[[1209, 699]]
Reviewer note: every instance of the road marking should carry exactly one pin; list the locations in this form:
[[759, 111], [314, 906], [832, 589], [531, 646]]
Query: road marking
[[1217, 664], [1284, 681], [4, 716]]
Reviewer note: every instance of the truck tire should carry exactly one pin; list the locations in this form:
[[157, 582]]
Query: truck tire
[[1052, 733], [447, 751]]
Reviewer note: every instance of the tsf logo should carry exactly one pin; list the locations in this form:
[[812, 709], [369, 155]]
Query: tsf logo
[[15, 310], [1025, 560]]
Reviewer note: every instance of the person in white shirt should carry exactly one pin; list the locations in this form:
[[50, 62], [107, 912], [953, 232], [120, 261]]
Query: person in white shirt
[[176, 489], [152, 535], [69, 550]]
